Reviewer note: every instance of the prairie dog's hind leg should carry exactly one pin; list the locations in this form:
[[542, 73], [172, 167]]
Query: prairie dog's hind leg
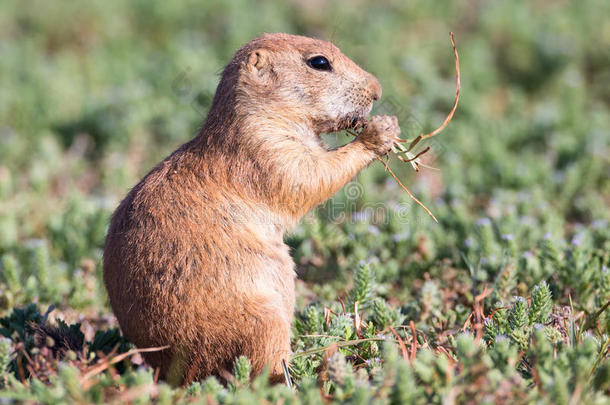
[[269, 342]]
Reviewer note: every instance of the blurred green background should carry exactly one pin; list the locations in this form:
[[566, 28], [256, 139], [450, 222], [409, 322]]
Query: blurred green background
[[93, 94]]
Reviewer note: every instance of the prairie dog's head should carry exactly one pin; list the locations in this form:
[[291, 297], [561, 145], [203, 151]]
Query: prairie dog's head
[[303, 80]]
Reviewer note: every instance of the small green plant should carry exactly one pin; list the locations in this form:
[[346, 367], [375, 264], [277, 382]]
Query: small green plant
[[241, 373], [520, 319], [5, 360], [363, 291]]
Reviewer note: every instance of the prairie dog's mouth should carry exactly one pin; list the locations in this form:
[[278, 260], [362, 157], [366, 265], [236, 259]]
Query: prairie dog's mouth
[[351, 122], [359, 122], [354, 121], [359, 119]]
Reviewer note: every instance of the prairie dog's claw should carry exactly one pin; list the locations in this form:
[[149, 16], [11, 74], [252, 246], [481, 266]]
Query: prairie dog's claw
[[379, 133]]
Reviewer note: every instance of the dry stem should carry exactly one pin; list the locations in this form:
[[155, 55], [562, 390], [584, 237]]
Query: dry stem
[[403, 153]]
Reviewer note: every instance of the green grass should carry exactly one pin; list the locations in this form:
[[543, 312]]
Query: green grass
[[508, 294]]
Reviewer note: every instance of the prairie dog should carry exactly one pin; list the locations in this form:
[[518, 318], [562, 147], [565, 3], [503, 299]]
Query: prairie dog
[[194, 256]]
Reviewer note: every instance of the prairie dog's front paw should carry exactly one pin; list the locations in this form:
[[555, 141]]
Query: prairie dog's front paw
[[379, 133]]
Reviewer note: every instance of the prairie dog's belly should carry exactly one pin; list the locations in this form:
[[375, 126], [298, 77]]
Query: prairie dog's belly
[[269, 278], [258, 265]]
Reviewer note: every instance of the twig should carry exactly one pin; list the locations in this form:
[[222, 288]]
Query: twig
[[414, 157], [401, 343], [457, 92], [398, 148], [600, 356], [357, 320], [479, 314], [407, 190], [413, 342], [101, 367], [339, 344], [286, 374]]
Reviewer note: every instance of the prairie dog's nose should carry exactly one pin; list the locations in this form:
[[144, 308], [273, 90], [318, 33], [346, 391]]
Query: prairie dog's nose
[[374, 87]]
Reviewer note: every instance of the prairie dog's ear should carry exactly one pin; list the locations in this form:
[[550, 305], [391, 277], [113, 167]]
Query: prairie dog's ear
[[258, 64]]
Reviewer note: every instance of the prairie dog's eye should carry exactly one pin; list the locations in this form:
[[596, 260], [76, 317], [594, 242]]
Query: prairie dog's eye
[[319, 63]]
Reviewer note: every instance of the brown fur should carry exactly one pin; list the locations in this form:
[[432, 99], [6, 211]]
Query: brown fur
[[194, 256]]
